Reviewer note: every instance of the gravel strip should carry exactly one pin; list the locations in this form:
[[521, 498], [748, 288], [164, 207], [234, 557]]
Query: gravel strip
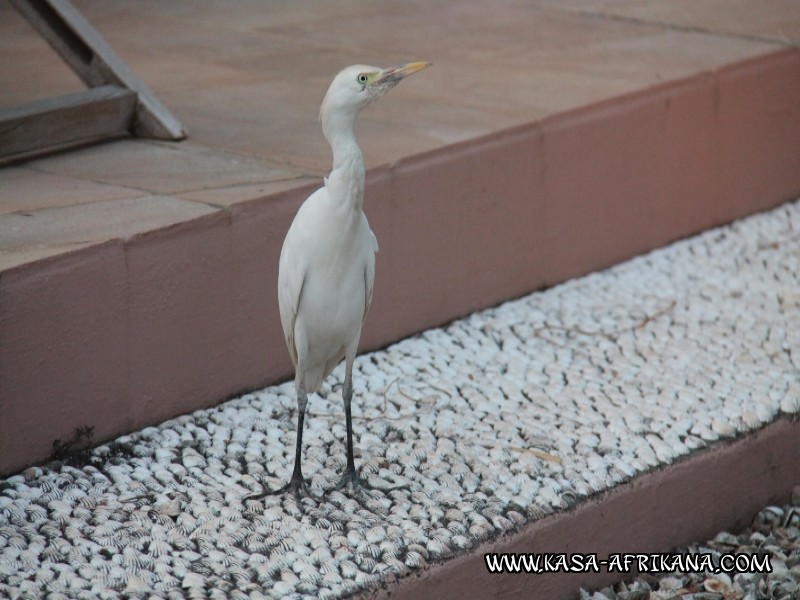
[[471, 430]]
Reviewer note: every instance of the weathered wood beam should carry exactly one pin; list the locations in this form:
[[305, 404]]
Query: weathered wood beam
[[75, 119], [95, 62]]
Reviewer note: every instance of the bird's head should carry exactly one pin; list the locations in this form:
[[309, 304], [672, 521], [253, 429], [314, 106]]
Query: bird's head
[[358, 85]]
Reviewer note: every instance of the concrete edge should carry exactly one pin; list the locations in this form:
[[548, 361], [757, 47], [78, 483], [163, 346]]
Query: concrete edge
[[121, 335], [718, 488]]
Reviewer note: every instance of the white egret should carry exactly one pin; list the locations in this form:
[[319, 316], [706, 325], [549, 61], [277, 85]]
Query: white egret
[[327, 264]]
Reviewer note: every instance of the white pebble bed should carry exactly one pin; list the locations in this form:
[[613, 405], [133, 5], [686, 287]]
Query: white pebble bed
[[485, 424]]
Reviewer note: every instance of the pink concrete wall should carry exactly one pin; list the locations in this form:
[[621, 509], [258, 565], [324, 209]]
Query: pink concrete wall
[[500, 216], [128, 333]]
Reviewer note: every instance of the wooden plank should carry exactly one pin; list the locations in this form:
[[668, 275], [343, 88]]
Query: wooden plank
[[76, 119], [95, 62]]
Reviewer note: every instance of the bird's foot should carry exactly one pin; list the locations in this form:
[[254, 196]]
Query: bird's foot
[[351, 480], [357, 485], [297, 484]]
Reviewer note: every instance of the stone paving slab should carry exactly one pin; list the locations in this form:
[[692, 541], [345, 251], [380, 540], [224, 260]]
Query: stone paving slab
[[480, 427], [776, 20], [247, 82]]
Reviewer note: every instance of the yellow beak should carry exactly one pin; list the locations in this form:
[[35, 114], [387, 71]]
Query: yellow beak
[[395, 74]]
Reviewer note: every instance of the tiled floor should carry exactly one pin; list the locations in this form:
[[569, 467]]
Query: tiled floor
[[247, 79]]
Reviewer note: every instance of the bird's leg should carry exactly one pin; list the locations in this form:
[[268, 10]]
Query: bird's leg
[[350, 478], [347, 394], [297, 483]]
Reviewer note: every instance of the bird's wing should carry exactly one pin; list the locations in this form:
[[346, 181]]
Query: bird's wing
[[291, 277], [292, 272], [369, 275]]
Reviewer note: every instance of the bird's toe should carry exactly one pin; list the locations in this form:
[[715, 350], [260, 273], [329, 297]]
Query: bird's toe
[[352, 481], [297, 485]]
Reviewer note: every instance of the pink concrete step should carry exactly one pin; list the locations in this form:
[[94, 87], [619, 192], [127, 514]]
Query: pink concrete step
[[154, 323]]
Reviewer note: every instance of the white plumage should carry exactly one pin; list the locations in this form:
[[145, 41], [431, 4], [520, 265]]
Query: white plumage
[[327, 271], [327, 264]]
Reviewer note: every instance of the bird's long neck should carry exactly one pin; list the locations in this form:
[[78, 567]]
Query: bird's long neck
[[347, 173]]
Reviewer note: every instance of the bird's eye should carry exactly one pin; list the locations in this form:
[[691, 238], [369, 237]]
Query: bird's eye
[[362, 78]]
